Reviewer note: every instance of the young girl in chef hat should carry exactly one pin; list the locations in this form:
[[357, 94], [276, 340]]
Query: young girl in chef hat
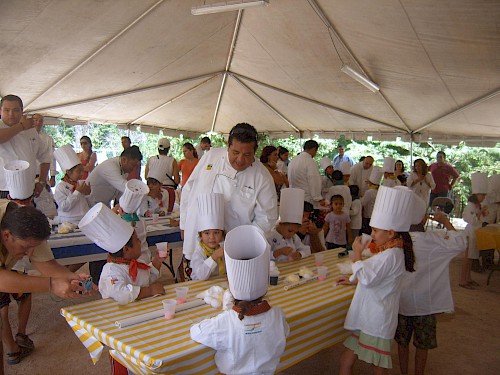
[[373, 314], [208, 257], [474, 215], [70, 194], [251, 337], [158, 199]]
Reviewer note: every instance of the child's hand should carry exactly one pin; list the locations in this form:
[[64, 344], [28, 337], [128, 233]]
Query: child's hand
[[357, 245], [218, 254], [283, 251], [83, 189], [343, 280], [295, 256], [157, 288]]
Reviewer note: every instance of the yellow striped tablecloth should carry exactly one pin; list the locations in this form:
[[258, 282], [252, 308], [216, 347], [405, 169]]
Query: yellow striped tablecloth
[[315, 312]]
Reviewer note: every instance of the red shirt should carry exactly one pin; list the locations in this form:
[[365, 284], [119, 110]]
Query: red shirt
[[442, 174]]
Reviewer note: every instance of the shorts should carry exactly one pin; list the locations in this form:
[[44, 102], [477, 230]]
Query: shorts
[[370, 349], [423, 327]]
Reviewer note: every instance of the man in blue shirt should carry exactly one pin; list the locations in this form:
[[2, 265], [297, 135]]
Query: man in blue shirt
[[340, 157]]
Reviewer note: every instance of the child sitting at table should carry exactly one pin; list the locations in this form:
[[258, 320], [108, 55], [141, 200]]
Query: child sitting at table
[[373, 314], [251, 337], [283, 238], [158, 199], [123, 278], [208, 257], [70, 195], [337, 225]]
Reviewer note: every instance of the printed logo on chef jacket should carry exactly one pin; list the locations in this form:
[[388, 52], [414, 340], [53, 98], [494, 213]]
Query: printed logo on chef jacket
[[251, 329], [209, 167]]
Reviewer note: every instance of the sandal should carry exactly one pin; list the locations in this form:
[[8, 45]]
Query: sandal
[[24, 341], [466, 286], [473, 283], [15, 358]]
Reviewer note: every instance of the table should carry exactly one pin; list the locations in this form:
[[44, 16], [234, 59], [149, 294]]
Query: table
[[315, 312], [488, 238]]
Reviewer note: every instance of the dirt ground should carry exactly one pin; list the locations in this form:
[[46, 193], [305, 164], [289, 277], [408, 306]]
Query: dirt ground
[[468, 340]]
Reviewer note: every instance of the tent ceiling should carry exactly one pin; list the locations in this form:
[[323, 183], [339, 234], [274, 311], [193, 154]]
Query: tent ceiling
[[152, 63]]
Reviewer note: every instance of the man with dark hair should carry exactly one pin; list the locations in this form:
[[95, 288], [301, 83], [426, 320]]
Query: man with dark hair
[[340, 157], [247, 186], [444, 175], [360, 173], [303, 173], [203, 147], [126, 142]]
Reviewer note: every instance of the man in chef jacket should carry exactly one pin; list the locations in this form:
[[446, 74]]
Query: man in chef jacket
[[247, 186]]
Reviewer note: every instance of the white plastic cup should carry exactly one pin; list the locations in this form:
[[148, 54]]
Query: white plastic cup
[[365, 240], [155, 217], [162, 249], [322, 272], [181, 293], [318, 258], [169, 308]]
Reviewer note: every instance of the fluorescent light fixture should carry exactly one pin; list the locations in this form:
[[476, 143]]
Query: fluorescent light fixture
[[227, 6], [372, 86]]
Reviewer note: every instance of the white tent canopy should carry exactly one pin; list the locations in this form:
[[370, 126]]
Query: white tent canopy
[[152, 63]]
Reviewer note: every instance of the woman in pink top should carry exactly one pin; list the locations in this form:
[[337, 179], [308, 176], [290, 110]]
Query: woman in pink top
[[87, 156], [186, 165]]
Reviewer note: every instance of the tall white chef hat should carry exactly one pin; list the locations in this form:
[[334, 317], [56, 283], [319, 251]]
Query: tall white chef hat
[[345, 168], [397, 208], [291, 205], [135, 190], [247, 255], [106, 229], [324, 163], [479, 182], [19, 179], [66, 157], [389, 164], [376, 175], [210, 213]]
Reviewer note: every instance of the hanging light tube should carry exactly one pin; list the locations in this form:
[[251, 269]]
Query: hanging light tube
[[227, 6], [370, 85]]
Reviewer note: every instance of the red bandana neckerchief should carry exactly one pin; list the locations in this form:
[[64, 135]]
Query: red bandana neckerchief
[[254, 310], [70, 181], [133, 265], [21, 202], [396, 242]]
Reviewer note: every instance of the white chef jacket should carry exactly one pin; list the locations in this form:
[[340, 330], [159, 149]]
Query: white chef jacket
[[107, 181], [253, 345], [340, 190], [427, 290], [153, 204], [48, 143], [164, 165], [359, 176], [303, 174], [277, 241], [71, 205], [421, 188], [368, 202], [25, 145], [249, 195], [116, 283], [326, 183], [202, 266], [374, 307], [390, 182], [355, 214]]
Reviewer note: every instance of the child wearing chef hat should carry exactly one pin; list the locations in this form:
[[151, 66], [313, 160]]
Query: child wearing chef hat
[[373, 314], [283, 238], [252, 325], [70, 193], [368, 200], [208, 257], [390, 179], [20, 182], [158, 200], [326, 180]]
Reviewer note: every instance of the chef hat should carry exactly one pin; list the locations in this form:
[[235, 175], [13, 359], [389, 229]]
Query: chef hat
[[135, 190], [163, 143], [389, 164], [345, 168], [106, 229], [479, 183], [247, 255], [291, 205], [376, 175], [325, 163], [210, 213], [397, 208], [66, 157], [19, 178]]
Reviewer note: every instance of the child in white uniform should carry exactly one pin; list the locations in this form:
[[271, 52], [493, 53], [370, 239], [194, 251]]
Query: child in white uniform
[[251, 337], [69, 195], [368, 200], [284, 241], [372, 316], [355, 213], [208, 257]]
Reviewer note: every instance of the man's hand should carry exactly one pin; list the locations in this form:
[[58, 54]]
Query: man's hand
[[27, 122], [39, 186]]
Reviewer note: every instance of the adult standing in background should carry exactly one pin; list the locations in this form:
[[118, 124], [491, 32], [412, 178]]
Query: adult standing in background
[[203, 146], [165, 165], [126, 142], [87, 156], [420, 181], [187, 165], [269, 158], [303, 174], [360, 173], [20, 141], [340, 157], [445, 177], [136, 173], [282, 163]]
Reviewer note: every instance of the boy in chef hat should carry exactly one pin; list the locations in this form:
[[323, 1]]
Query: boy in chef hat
[[368, 200], [123, 278], [158, 199], [251, 337], [20, 182], [373, 314], [285, 244], [208, 257], [326, 180], [390, 180], [71, 191], [345, 168]]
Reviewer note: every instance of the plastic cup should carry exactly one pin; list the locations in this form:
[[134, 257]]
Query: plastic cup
[[155, 217], [318, 258], [162, 249], [80, 182], [365, 240], [169, 308], [322, 271], [181, 293]]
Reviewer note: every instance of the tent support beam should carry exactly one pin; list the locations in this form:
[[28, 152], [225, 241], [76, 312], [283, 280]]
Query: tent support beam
[[295, 129]]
